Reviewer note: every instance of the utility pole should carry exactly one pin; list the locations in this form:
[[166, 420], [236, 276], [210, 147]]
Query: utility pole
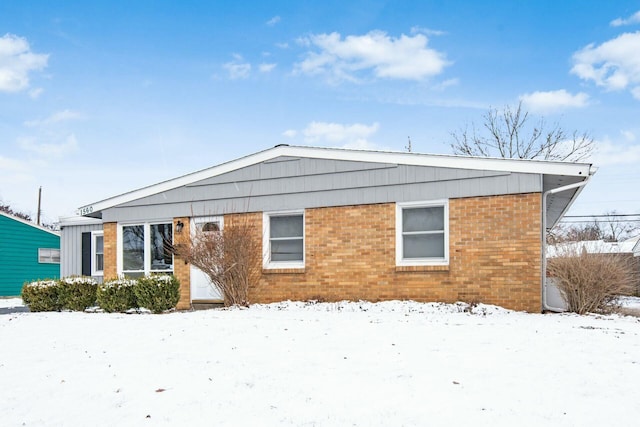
[[39, 200], [408, 147]]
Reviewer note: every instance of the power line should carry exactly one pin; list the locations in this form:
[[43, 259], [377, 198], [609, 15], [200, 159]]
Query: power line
[[591, 222], [601, 216]]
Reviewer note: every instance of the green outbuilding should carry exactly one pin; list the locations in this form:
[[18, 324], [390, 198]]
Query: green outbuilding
[[27, 252]]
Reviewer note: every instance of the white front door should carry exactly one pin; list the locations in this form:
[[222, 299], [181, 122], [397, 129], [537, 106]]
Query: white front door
[[201, 288]]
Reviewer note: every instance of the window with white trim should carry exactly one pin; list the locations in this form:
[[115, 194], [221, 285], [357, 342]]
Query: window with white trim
[[97, 253], [48, 256], [146, 248], [422, 233], [283, 244]]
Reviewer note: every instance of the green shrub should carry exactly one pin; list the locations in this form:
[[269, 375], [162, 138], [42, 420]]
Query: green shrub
[[77, 293], [41, 295], [158, 293], [117, 295]]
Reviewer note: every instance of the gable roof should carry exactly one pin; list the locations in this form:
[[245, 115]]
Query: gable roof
[[30, 224], [546, 168]]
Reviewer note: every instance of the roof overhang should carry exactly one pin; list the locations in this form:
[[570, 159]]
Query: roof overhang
[[580, 171]]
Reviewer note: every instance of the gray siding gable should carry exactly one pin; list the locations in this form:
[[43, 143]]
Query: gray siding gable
[[286, 183]]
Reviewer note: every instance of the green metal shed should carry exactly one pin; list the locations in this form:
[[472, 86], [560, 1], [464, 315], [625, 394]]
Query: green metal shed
[[27, 252]]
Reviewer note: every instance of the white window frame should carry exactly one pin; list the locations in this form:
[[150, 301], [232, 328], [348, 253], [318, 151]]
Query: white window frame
[[201, 220], [45, 256], [94, 236], [147, 247], [400, 260], [266, 241]]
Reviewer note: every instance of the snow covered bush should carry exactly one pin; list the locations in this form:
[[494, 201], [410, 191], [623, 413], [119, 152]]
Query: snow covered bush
[[117, 295], [41, 295], [157, 293], [77, 293], [591, 283]]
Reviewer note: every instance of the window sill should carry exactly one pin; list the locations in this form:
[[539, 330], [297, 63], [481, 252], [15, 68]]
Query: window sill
[[412, 268]]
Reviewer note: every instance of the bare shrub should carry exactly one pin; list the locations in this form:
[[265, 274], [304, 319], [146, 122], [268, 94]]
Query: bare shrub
[[591, 283], [230, 258]]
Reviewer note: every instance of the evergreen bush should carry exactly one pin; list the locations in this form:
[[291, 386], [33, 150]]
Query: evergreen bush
[[117, 295], [41, 295], [77, 293], [158, 293]]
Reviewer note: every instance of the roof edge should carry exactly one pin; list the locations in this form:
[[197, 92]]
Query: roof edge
[[544, 167]]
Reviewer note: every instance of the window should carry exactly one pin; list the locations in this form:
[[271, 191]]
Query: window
[[283, 243], [48, 256], [211, 227], [97, 253], [422, 235], [146, 248]]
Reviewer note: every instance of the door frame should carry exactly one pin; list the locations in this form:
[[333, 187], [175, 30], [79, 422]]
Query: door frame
[[193, 224]]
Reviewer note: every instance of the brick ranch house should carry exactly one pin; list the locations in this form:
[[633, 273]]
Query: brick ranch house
[[345, 224]]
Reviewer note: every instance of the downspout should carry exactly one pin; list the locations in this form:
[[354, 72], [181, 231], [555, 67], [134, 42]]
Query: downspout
[[580, 184]]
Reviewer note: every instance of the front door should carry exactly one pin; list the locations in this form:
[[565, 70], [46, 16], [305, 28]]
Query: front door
[[201, 289]]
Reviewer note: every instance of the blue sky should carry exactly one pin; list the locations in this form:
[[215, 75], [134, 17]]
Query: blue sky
[[100, 98]]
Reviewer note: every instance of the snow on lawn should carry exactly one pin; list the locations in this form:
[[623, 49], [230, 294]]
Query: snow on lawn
[[630, 302], [301, 364], [11, 302]]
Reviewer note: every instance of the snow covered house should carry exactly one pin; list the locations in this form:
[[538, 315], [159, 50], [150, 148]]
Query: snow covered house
[[340, 224], [27, 252]]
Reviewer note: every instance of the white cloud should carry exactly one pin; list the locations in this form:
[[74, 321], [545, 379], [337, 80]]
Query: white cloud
[[607, 153], [427, 31], [265, 68], [16, 62], [238, 68], [36, 92], [354, 135], [553, 100], [290, 133], [628, 135], [633, 19], [341, 59], [282, 45], [614, 65], [273, 21], [446, 83], [69, 144], [60, 116]]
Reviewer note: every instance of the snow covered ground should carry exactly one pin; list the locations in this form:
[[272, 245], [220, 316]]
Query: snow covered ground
[[300, 364]]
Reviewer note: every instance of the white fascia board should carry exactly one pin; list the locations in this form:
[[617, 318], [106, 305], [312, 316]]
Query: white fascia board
[[31, 224], [446, 161], [413, 159], [67, 221]]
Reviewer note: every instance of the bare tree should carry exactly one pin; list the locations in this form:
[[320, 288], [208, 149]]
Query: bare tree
[[8, 210], [574, 233], [230, 258], [616, 228], [610, 227], [510, 133]]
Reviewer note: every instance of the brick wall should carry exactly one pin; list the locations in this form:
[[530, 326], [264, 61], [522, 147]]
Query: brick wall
[[494, 256], [110, 250], [180, 269], [494, 251]]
